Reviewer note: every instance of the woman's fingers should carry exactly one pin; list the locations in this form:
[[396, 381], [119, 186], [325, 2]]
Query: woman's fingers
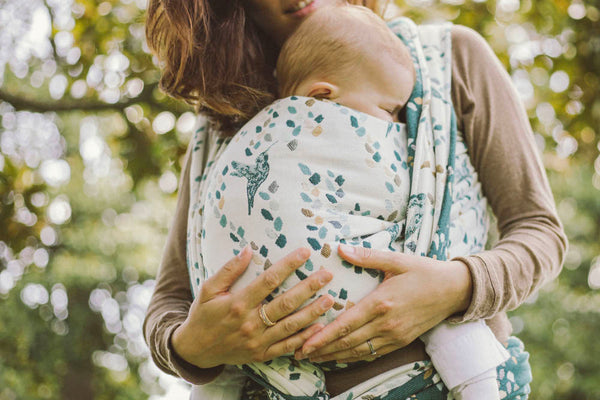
[[290, 301], [225, 277], [291, 324], [269, 280], [361, 351], [346, 345], [366, 355], [346, 323], [290, 344]]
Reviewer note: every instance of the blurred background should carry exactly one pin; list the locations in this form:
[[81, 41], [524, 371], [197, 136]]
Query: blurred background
[[90, 155]]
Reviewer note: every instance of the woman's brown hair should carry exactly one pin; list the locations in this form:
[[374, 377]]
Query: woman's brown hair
[[214, 57]]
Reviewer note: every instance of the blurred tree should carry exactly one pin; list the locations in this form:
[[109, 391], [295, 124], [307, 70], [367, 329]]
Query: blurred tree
[[90, 151]]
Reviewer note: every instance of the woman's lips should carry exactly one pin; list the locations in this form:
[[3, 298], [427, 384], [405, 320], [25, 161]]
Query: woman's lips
[[307, 9]]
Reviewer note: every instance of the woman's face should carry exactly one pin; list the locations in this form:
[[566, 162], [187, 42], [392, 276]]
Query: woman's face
[[279, 18]]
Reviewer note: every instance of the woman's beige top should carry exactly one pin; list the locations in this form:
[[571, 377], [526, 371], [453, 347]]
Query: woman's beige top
[[501, 145]]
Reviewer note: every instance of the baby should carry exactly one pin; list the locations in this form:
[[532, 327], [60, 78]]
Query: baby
[[295, 175]]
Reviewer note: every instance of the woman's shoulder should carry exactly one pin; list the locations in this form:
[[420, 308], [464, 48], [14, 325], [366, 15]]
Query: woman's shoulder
[[468, 42]]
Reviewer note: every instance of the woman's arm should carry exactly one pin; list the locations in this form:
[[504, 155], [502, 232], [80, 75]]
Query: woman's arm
[[532, 242], [172, 296], [502, 149]]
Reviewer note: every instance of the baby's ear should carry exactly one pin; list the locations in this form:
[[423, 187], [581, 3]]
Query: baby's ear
[[322, 90]]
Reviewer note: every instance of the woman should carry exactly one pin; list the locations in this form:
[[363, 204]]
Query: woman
[[220, 56]]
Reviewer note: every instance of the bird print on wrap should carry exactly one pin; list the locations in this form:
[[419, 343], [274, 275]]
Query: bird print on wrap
[[256, 175], [417, 202]]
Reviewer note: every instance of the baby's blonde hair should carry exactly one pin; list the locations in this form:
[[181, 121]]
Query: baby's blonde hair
[[331, 44]]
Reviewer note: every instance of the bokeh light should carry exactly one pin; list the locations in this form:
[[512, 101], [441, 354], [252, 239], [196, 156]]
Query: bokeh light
[[91, 152]]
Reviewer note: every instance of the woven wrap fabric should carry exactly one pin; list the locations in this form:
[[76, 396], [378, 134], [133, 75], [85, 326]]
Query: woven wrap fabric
[[350, 178]]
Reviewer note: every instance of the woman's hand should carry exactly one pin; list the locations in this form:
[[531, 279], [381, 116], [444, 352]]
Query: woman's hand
[[416, 294], [225, 328]]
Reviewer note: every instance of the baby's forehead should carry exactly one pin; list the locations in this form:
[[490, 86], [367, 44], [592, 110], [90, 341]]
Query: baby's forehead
[[353, 26]]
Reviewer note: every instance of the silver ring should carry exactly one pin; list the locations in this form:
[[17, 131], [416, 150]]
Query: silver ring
[[373, 352], [263, 316]]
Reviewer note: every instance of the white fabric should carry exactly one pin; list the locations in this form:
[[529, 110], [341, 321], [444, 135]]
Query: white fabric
[[481, 387], [228, 386], [460, 352]]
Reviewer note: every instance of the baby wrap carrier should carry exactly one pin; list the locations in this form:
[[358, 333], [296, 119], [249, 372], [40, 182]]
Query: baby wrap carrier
[[304, 172]]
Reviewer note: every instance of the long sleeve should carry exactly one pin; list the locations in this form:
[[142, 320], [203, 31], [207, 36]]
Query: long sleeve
[[172, 296], [501, 145]]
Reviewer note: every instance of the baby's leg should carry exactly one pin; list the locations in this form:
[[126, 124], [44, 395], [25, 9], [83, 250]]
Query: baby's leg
[[466, 357], [481, 387]]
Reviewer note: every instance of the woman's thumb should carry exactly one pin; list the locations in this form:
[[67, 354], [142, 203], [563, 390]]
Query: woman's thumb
[[225, 277], [390, 262]]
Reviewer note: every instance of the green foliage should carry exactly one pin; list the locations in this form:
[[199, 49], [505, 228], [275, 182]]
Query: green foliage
[[89, 154]]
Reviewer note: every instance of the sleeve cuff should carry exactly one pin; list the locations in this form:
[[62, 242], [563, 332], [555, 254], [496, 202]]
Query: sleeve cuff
[[187, 371], [482, 298]]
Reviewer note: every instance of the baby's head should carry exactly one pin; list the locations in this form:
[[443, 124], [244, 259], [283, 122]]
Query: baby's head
[[347, 54]]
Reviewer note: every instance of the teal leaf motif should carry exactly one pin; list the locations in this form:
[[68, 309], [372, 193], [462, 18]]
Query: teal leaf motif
[[266, 214], [263, 251], [314, 243], [372, 272], [308, 265], [301, 275], [305, 170], [281, 241], [335, 224], [315, 179], [322, 232], [305, 197]]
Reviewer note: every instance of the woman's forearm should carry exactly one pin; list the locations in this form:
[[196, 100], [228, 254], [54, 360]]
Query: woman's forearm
[[532, 243], [172, 297]]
